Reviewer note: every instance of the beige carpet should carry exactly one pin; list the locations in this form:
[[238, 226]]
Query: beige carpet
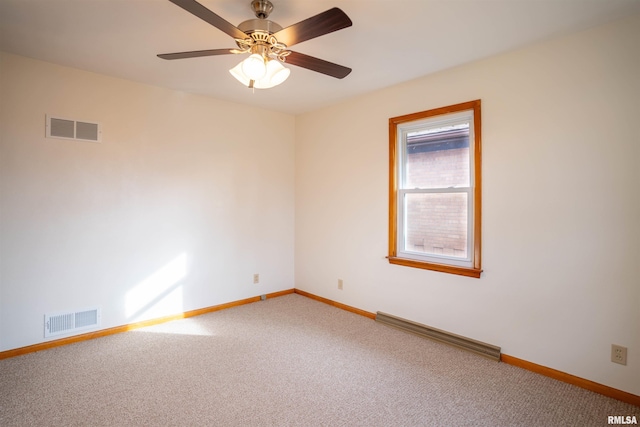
[[287, 361]]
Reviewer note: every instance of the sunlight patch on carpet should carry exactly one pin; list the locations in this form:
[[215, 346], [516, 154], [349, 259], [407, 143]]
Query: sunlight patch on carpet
[[179, 327]]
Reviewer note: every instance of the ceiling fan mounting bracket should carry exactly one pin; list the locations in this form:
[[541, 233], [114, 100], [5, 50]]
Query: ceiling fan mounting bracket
[[262, 8]]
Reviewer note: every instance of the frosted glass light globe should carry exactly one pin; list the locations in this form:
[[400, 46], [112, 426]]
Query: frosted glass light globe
[[254, 67], [276, 73]]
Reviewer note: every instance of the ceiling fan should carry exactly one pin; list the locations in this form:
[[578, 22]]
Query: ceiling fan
[[268, 43]]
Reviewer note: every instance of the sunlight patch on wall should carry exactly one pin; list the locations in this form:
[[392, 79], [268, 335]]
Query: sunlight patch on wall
[[160, 294]]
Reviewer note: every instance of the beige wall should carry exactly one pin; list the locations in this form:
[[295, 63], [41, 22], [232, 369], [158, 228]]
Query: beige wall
[[183, 195], [176, 209], [560, 194]]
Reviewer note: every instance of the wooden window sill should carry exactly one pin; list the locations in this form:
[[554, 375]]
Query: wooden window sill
[[452, 269]]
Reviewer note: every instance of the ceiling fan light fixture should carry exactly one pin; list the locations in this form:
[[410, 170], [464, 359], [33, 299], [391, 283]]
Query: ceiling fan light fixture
[[274, 74], [254, 67], [239, 75]]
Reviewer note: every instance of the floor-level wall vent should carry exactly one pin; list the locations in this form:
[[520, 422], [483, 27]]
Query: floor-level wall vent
[[70, 322], [478, 347]]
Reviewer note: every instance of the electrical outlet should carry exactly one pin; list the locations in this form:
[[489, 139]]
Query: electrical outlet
[[256, 278], [619, 354], [340, 284]]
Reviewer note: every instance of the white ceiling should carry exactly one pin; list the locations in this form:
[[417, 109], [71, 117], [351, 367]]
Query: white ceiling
[[391, 41]]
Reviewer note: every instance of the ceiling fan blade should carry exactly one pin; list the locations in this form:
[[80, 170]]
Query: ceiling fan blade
[[318, 65], [316, 26], [195, 8], [195, 53]]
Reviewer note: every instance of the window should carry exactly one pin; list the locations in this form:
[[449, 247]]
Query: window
[[434, 189]]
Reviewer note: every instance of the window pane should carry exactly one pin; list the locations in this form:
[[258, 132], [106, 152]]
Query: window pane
[[436, 223], [437, 157]]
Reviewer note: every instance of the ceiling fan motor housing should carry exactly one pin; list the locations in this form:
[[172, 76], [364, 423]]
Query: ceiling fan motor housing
[[253, 25], [259, 30]]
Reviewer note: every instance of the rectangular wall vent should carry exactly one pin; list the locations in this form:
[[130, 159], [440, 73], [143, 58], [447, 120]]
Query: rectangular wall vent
[[65, 323], [72, 129], [484, 349]]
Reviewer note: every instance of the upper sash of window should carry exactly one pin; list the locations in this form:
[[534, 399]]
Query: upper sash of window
[[435, 134]]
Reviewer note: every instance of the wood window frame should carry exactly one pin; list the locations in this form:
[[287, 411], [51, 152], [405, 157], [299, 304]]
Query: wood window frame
[[475, 270]]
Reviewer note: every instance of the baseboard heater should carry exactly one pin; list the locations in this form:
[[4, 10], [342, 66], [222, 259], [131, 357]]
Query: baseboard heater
[[484, 349]]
